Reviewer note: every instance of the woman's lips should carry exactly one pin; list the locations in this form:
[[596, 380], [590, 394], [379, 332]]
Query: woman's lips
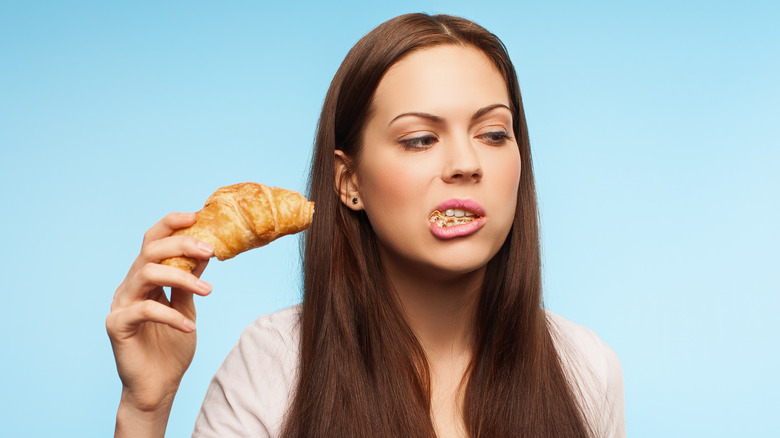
[[457, 230], [456, 218]]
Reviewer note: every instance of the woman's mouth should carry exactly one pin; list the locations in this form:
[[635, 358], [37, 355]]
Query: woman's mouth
[[456, 218], [451, 217]]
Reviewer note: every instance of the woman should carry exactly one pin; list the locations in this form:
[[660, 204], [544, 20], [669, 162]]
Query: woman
[[422, 310]]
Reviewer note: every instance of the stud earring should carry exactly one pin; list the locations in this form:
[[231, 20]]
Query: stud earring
[[354, 200]]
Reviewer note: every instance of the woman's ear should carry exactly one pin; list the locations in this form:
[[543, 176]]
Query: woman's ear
[[346, 183]]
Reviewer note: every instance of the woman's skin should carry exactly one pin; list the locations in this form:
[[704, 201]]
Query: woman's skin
[[440, 132]]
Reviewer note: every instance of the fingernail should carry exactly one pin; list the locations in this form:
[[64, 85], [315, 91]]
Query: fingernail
[[189, 324], [205, 247], [203, 286]]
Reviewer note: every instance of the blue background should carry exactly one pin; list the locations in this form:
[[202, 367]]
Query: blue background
[[655, 133]]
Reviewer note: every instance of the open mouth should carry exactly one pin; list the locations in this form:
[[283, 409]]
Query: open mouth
[[451, 217]]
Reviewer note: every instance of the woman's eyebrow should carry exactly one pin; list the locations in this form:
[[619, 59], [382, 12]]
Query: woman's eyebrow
[[431, 117], [436, 119], [482, 111]]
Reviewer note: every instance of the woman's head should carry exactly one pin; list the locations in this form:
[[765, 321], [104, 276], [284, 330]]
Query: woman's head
[[351, 102], [438, 166]]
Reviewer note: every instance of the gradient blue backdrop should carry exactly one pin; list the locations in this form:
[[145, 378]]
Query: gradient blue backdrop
[[654, 127]]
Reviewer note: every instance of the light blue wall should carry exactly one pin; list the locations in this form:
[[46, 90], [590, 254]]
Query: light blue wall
[[656, 142]]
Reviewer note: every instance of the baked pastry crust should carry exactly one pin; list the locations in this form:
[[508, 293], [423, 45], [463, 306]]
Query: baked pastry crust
[[245, 216]]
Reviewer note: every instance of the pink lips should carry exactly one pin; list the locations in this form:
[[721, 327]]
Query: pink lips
[[464, 229]]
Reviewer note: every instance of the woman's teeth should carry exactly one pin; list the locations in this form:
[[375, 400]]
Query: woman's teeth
[[456, 212], [451, 216]]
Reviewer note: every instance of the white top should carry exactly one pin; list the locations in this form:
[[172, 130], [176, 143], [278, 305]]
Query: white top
[[250, 393]]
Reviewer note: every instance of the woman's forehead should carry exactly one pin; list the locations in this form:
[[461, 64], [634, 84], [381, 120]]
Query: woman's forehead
[[440, 79]]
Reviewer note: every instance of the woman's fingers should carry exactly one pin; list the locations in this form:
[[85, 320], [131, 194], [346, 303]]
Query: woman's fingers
[[160, 249], [182, 300], [168, 224], [198, 271], [123, 323], [152, 275], [147, 276]]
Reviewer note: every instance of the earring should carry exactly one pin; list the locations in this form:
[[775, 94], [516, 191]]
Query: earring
[[354, 200]]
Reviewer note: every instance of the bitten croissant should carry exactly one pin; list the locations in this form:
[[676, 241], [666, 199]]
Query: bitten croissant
[[245, 216]]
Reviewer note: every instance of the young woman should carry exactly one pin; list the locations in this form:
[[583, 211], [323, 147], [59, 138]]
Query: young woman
[[422, 313]]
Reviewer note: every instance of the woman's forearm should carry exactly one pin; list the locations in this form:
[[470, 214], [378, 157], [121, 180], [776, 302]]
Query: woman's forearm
[[139, 423]]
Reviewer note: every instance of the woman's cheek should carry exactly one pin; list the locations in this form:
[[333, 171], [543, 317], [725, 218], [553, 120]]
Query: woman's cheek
[[506, 169], [393, 184], [511, 169]]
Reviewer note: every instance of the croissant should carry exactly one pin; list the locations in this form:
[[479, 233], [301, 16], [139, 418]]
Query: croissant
[[245, 216]]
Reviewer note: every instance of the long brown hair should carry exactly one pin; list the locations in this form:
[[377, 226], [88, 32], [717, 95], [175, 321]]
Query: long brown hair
[[362, 371]]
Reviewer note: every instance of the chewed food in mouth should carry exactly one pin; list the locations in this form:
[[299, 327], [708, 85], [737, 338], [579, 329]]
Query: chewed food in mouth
[[451, 217]]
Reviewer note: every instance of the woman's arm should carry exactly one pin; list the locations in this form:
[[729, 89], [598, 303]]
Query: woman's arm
[[133, 422], [153, 337]]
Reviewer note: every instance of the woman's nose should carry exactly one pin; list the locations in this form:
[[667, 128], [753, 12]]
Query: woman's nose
[[462, 162]]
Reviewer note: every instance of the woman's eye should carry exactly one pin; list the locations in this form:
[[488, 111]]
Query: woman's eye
[[495, 138], [421, 142]]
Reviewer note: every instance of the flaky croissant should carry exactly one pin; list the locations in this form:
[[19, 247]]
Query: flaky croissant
[[245, 216]]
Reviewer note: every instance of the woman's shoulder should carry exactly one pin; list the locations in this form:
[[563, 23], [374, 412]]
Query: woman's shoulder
[[269, 345], [250, 392], [281, 326], [595, 371], [577, 342]]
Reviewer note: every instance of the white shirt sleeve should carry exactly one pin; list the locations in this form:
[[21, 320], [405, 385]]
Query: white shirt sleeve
[[595, 370], [250, 392]]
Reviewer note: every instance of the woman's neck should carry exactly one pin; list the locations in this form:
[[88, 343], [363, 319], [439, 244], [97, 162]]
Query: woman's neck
[[439, 307]]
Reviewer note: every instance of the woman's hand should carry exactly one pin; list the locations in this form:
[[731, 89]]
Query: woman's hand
[[153, 338]]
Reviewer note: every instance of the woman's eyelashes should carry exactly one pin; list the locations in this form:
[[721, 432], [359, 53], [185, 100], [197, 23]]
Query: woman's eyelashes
[[495, 137], [419, 142]]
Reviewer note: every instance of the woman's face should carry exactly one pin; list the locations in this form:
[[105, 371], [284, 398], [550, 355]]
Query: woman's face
[[439, 139]]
